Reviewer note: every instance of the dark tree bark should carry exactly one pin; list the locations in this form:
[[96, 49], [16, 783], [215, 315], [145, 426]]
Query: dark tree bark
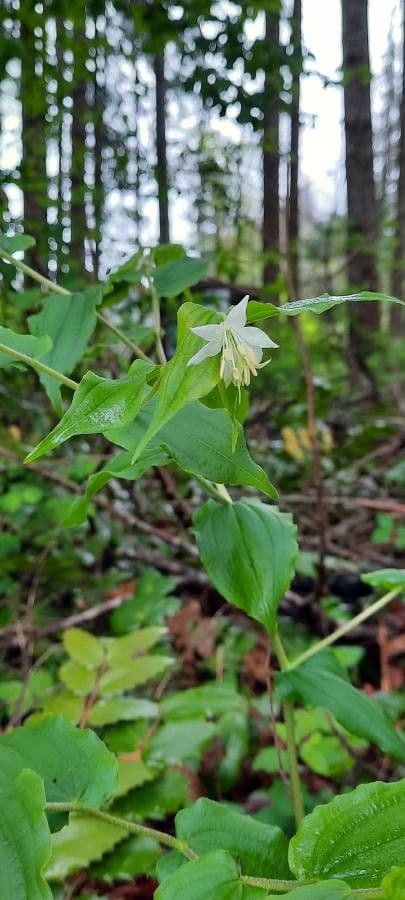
[[161, 148], [271, 158], [33, 176], [293, 199], [78, 221], [361, 201], [398, 269]]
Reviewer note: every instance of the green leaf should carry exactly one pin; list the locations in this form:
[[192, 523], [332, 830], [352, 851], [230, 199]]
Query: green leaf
[[326, 890], [357, 837], [394, 884], [69, 321], [155, 800], [83, 647], [24, 343], [181, 384], [136, 856], [121, 677], [24, 837], [132, 673], [256, 311], [180, 742], [16, 242], [117, 709], [326, 756], [322, 681], [386, 579], [215, 876], [84, 840], [132, 774], [261, 849], [208, 700], [124, 648], [200, 441], [265, 537], [98, 403], [173, 278], [319, 305], [75, 764]]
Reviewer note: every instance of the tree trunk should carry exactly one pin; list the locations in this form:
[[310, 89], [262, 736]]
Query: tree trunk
[[33, 176], [271, 198], [398, 269], [161, 148], [293, 199], [78, 221], [361, 202]]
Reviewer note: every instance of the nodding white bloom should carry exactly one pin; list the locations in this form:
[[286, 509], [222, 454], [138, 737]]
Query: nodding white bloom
[[240, 346]]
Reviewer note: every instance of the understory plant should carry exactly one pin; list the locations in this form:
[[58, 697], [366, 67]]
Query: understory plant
[[61, 784]]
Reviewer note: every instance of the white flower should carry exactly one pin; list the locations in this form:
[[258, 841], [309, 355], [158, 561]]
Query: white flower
[[240, 345]]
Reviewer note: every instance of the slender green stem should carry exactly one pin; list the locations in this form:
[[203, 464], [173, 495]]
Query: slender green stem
[[157, 326], [272, 884], [57, 289], [123, 338], [133, 827], [40, 367], [167, 840], [345, 628], [217, 491], [288, 711]]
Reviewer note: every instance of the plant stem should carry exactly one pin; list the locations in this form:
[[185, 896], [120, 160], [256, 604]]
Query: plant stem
[[123, 338], [157, 326], [272, 884], [57, 289], [40, 367], [133, 827], [167, 840], [345, 628], [217, 491], [288, 711]]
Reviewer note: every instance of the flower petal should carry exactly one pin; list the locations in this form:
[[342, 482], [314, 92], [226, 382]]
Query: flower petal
[[208, 332], [210, 349], [255, 337], [236, 317]]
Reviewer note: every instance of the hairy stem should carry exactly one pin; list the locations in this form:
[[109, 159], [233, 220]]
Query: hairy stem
[[345, 628], [288, 711], [167, 840]]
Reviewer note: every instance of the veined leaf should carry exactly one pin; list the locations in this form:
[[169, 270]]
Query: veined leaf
[[136, 856], [394, 884], [265, 537], [322, 681], [386, 579], [215, 876], [75, 765], [25, 841], [321, 304], [24, 343], [180, 384], [69, 321], [174, 277], [16, 243], [84, 840], [98, 403], [261, 849], [83, 647], [357, 837]]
